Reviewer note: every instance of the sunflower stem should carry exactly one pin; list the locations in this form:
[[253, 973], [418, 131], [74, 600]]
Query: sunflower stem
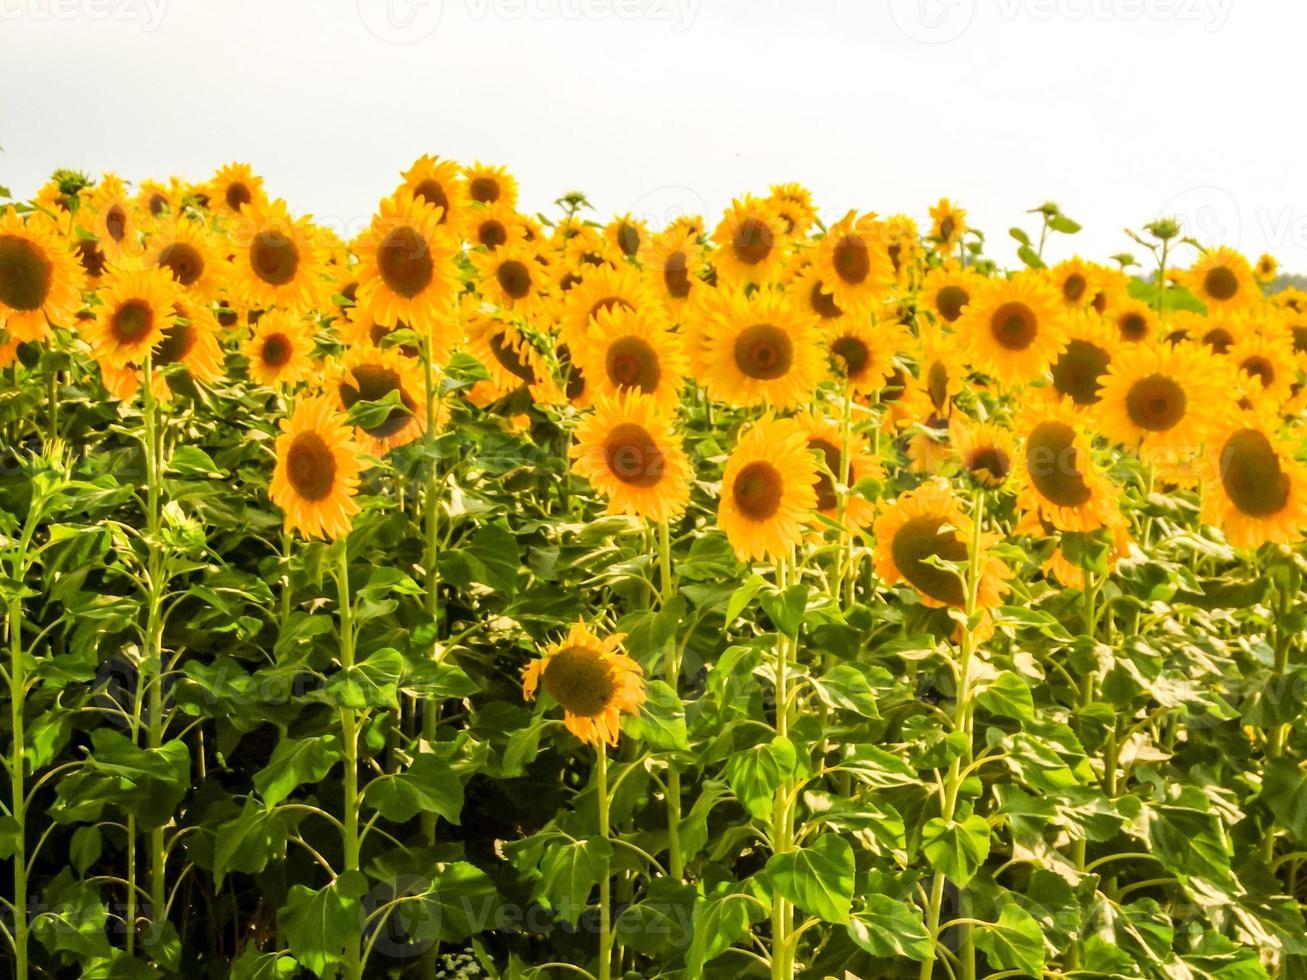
[[605, 885], [349, 724], [1277, 737], [782, 916], [675, 862]]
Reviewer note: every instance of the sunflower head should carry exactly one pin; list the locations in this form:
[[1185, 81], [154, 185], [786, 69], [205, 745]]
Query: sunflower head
[[768, 490], [751, 242], [440, 184], [490, 185], [233, 188], [948, 225], [41, 279], [1014, 328], [632, 350], [1222, 279], [280, 349], [317, 471], [761, 350], [1058, 477], [137, 306], [985, 451], [407, 267], [591, 680], [1254, 490]]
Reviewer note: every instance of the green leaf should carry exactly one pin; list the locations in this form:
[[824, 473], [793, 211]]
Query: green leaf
[[1014, 942], [890, 929], [429, 785], [86, 847], [1284, 789], [1008, 696], [253, 965], [250, 841], [661, 722], [459, 901], [496, 560], [318, 924], [374, 683], [756, 773], [1060, 222], [956, 848], [719, 921], [742, 596], [293, 763], [847, 687], [786, 609], [818, 878], [568, 872]]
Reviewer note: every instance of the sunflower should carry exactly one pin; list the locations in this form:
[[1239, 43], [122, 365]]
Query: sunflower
[[381, 374], [793, 204], [592, 680], [769, 490], [811, 293], [234, 187], [439, 183], [407, 267], [512, 278], [41, 279], [1014, 328], [948, 225], [186, 248], [1135, 321], [280, 349], [903, 245], [1076, 282], [760, 350], [191, 340], [630, 455], [1055, 472], [93, 261], [279, 261], [1078, 371], [628, 237], [984, 450], [508, 356], [862, 350], [672, 267], [632, 351], [1163, 399], [926, 525], [156, 199], [1266, 269], [136, 306], [1222, 279], [941, 376], [1265, 365], [603, 288], [114, 221], [493, 226], [1254, 489], [826, 440], [751, 242], [946, 292], [490, 185], [854, 265], [317, 472]]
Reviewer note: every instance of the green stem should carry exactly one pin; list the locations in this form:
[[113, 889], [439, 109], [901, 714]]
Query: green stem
[[349, 725], [675, 861], [605, 885], [782, 915], [1278, 736]]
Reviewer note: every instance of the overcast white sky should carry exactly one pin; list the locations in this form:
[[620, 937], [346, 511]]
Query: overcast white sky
[[1118, 109]]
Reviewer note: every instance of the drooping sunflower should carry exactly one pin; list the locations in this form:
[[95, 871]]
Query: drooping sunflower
[[279, 260], [280, 349], [1222, 279], [627, 236], [769, 490], [592, 680], [946, 292], [191, 340], [928, 524], [948, 225], [1076, 282], [984, 450], [407, 268], [941, 376], [512, 278], [793, 204], [630, 455], [377, 374], [854, 264], [113, 219], [751, 242], [439, 183], [1056, 474], [490, 185], [41, 279], [317, 471], [186, 249], [826, 439], [1163, 400], [1254, 489], [234, 187], [136, 306], [862, 350], [1079, 370], [761, 350], [672, 267], [629, 350], [1014, 328], [1135, 321]]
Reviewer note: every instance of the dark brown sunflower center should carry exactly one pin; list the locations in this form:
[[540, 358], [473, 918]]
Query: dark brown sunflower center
[[492, 233], [373, 382], [510, 359], [1260, 368], [950, 300], [1073, 287], [922, 538], [405, 262], [92, 259], [580, 681], [514, 278], [764, 352], [178, 341], [1221, 283], [823, 303], [131, 322], [937, 385], [1078, 370], [1299, 339], [946, 228], [1051, 458], [433, 192], [1132, 326], [1219, 340], [158, 204], [1014, 326], [238, 195], [676, 275], [276, 350], [1156, 403], [851, 356], [575, 386], [851, 259], [274, 258], [752, 241], [628, 239], [184, 260], [311, 467], [484, 190], [989, 464], [757, 490], [633, 363], [1251, 474], [115, 223], [827, 498], [633, 456], [25, 273]]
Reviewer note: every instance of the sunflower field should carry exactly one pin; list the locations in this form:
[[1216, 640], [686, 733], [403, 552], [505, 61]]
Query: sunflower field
[[507, 595]]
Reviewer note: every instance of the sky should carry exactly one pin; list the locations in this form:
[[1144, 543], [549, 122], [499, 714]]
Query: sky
[[1119, 110]]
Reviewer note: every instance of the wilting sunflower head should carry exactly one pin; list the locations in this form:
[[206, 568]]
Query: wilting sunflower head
[[761, 349], [1014, 328], [41, 279], [317, 471], [1222, 279], [591, 680], [630, 455], [768, 490], [751, 241], [1254, 490]]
